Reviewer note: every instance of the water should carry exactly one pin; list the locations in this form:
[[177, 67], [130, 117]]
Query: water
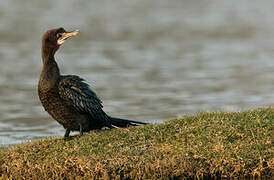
[[147, 60]]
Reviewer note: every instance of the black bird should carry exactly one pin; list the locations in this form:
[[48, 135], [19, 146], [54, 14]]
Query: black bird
[[68, 99]]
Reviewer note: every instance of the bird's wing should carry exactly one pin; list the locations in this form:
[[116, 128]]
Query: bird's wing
[[75, 91]]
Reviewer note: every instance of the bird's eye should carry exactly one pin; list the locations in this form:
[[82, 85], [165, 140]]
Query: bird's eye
[[58, 35]]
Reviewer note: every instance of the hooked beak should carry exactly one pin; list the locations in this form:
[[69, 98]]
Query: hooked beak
[[66, 35]]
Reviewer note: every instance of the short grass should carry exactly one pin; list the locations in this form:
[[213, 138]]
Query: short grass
[[207, 145]]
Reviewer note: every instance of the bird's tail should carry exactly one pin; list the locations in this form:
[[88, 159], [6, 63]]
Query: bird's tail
[[124, 122]]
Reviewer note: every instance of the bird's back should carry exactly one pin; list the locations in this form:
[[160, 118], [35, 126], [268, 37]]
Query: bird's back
[[57, 107], [65, 103]]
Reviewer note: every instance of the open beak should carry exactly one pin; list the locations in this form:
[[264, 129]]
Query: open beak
[[66, 35]]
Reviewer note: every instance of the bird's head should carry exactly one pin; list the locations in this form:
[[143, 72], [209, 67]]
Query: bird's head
[[52, 39]]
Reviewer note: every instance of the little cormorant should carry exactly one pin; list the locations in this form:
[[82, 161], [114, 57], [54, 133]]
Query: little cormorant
[[67, 98]]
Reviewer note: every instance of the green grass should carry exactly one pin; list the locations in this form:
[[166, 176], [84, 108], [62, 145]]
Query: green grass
[[200, 146]]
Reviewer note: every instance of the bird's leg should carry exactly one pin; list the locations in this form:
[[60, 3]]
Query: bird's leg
[[81, 130], [66, 136]]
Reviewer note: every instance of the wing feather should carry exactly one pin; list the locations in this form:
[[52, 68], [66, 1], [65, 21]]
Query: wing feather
[[75, 91]]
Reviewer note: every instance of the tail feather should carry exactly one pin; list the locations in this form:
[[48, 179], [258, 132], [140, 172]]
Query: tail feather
[[125, 122]]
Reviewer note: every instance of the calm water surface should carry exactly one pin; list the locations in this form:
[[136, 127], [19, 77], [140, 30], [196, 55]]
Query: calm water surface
[[147, 60]]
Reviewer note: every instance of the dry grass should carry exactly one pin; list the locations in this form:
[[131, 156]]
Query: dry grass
[[200, 146]]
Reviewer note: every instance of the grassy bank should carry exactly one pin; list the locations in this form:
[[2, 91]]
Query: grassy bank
[[204, 145]]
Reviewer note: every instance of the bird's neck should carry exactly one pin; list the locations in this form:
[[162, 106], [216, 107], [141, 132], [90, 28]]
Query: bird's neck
[[50, 72], [47, 53], [51, 67]]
